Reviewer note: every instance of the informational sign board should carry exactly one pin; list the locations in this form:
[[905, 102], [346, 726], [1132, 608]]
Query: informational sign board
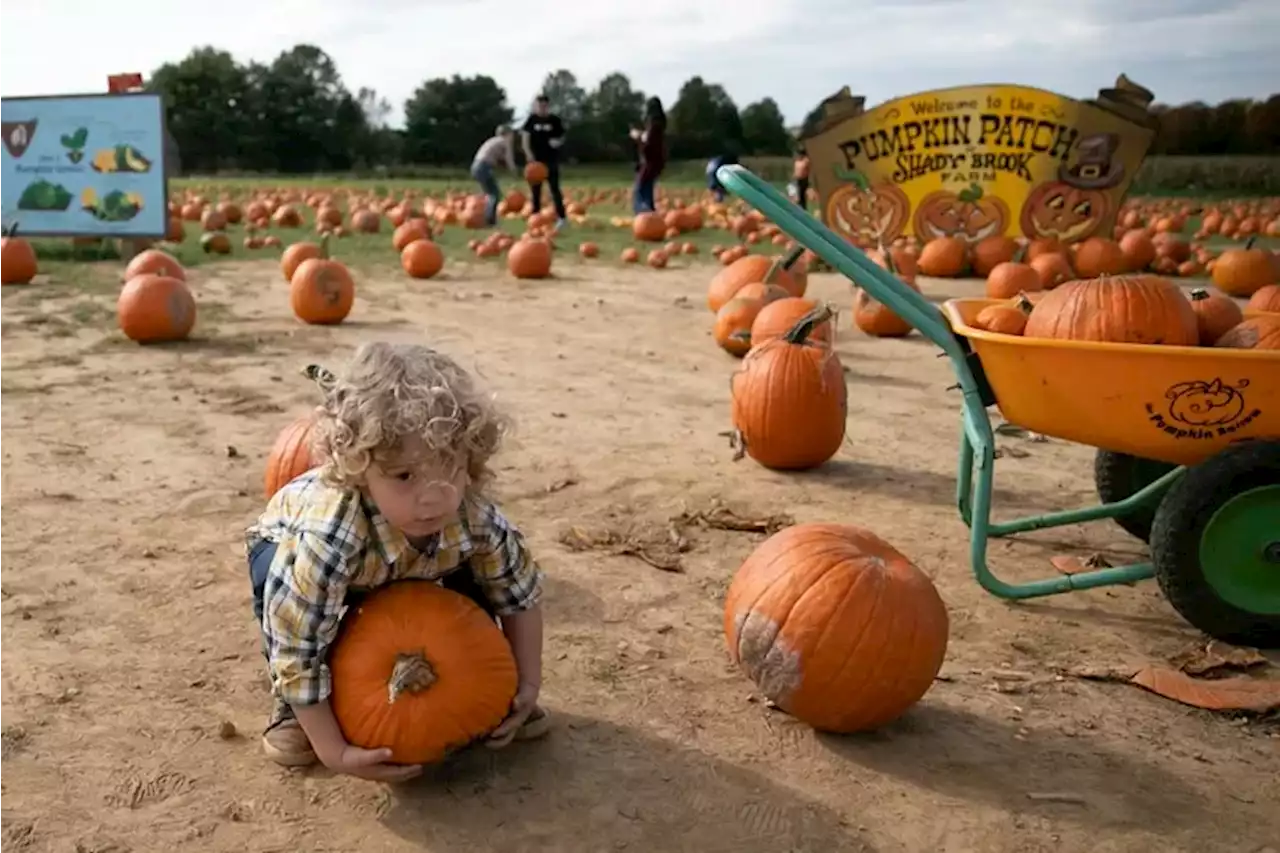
[[84, 165], [980, 161]]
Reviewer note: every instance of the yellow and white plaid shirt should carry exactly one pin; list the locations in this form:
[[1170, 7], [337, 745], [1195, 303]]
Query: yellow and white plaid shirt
[[331, 540]]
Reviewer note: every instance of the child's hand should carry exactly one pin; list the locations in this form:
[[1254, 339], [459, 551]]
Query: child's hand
[[371, 764], [521, 707]]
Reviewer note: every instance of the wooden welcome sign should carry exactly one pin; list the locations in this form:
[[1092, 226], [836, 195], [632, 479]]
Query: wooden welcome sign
[[979, 161]]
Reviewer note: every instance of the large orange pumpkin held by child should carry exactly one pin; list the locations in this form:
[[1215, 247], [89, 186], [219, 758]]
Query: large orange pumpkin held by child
[[420, 670], [835, 626]]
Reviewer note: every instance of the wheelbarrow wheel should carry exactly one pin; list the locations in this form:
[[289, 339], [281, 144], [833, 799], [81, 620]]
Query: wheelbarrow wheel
[[1215, 545], [1118, 476]]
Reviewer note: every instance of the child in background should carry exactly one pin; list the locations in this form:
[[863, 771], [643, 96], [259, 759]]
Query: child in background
[[652, 145], [405, 437], [801, 172], [713, 182], [496, 150]]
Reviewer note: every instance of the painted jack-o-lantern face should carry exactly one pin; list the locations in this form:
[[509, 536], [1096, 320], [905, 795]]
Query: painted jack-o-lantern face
[[868, 217], [1065, 213], [1202, 404], [969, 215]]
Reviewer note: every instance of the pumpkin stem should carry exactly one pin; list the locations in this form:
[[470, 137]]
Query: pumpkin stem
[[324, 246], [412, 672], [790, 258], [888, 257], [1248, 244], [1023, 303], [1199, 294], [800, 332], [1020, 254], [778, 265]]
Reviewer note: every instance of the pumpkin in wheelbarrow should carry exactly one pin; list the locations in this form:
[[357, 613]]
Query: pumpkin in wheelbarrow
[[1120, 309], [835, 626]]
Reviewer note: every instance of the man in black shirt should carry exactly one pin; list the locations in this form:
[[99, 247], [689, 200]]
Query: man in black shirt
[[543, 135]]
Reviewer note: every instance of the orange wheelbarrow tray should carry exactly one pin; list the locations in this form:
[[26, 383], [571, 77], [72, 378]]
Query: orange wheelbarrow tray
[[1187, 438]]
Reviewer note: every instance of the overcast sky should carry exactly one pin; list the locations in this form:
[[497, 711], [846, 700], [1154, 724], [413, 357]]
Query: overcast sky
[[796, 51]]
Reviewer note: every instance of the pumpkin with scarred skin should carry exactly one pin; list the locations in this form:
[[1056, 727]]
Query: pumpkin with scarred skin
[[1265, 298], [1137, 309], [1260, 332], [835, 626], [155, 309]]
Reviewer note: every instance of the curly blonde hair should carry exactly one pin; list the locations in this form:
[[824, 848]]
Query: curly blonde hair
[[389, 392]]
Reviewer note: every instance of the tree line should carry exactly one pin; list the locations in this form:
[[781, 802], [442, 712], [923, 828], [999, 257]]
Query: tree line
[[296, 115]]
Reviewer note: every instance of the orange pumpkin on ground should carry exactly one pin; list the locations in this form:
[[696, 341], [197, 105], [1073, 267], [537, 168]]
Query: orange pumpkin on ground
[[420, 670], [1139, 249], [155, 308], [1132, 309], [732, 330], [1260, 332], [649, 227], [290, 456], [589, 250], [1215, 314], [789, 399], [1010, 278], [944, 257], [988, 254], [422, 259], [630, 255], [875, 318], [321, 290], [835, 626], [408, 231], [1100, 256], [780, 316], [1266, 298], [1244, 271], [1053, 268], [294, 255], [749, 269], [1007, 319], [529, 259], [154, 262]]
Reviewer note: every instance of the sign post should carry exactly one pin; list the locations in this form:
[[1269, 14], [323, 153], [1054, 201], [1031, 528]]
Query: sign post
[[980, 161]]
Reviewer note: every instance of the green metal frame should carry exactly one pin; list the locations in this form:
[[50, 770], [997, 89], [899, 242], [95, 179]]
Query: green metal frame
[[977, 441]]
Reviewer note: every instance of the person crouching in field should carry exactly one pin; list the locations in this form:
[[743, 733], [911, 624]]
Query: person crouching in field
[[543, 136], [713, 180], [404, 437], [496, 150], [652, 145]]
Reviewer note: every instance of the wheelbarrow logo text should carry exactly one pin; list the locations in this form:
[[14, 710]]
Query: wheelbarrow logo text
[[1202, 409]]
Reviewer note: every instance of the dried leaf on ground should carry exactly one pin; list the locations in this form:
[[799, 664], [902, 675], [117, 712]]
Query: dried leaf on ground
[[660, 549], [1069, 564], [1223, 694], [1089, 672], [1216, 656], [720, 517]]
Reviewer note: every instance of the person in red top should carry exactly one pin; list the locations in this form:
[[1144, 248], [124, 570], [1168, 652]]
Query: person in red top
[[652, 145], [801, 174]]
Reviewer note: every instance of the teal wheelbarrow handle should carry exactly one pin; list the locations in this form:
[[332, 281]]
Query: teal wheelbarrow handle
[[977, 442]]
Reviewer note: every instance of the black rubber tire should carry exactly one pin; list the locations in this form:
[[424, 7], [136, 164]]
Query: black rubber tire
[[1118, 476], [1175, 542]]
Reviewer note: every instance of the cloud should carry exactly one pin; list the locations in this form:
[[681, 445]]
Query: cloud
[[797, 51]]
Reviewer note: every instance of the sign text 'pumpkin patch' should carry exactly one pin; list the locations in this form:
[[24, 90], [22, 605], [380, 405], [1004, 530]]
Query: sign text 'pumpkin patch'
[[979, 161]]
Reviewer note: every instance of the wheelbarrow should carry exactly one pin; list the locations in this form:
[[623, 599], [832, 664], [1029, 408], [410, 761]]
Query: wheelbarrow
[[1188, 442]]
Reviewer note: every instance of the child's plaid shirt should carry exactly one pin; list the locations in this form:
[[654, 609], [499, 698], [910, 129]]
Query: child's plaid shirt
[[330, 540]]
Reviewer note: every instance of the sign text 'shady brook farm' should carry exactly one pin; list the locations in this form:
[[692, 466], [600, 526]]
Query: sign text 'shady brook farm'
[[979, 161]]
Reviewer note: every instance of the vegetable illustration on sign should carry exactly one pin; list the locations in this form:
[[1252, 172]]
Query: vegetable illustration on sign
[[18, 136], [44, 195], [115, 206], [121, 158], [74, 143]]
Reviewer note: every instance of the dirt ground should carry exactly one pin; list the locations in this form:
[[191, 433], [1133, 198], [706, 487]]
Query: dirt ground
[[130, 473]]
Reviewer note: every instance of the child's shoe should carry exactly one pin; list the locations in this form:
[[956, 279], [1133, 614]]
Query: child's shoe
[[536, 726], [285, 743]]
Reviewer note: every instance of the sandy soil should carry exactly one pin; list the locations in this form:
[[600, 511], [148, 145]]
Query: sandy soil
[[130, 473]]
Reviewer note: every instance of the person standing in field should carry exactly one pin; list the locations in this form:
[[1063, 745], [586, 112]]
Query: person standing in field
[[652, 145], [496, 150], [801, 174], [543, 136]]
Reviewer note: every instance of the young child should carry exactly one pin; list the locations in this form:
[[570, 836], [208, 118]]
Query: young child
[[496, 150], [404, 437]]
